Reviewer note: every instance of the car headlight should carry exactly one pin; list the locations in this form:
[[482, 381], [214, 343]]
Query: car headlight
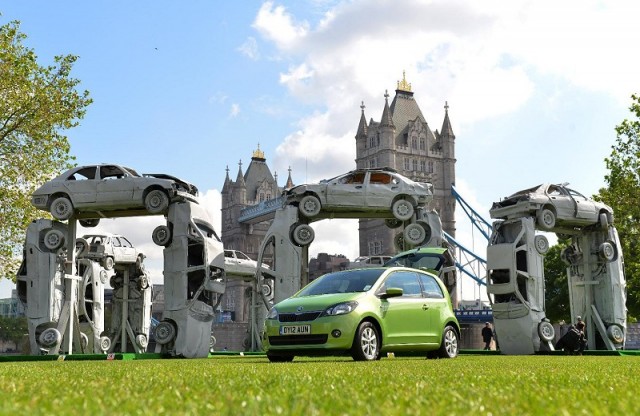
[[273, 314], [340, 308]]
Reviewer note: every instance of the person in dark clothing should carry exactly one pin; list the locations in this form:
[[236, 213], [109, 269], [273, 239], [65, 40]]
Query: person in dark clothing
[[574, 341], [487, 335]]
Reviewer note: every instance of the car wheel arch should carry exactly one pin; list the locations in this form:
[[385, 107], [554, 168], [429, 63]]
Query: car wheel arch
[[374, 322], [154, 187], [57, 195]]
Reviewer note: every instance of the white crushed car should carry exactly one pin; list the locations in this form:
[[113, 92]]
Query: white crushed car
[[92, 192], [362, 191], [238, 263], [108, 249], [552, 206]]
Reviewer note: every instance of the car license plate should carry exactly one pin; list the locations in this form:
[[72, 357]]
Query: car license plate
[[295, 329]]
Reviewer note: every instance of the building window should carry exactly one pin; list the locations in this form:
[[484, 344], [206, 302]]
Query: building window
[[372, 141], [261, 197], [431, 166], [423, 143], [415, 165], [414, 143], [407, 165], [375, 247], [423, 166]]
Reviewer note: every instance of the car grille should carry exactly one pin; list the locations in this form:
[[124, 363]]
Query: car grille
[[298, 317], [298, 339]]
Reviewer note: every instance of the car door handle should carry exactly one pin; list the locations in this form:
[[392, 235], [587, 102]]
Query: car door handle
[[425, 307]]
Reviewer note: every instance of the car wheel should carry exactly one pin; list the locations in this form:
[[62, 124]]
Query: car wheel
[[449, 345], [49, 337], [402, 209], [607, 251], [280, 358], [108, 262], [143, 282], [398, 242], [82, 246], [303, 235], [142, 341], [546, 219], [156, 201], [84, 341], [392, 222], [61, 208], [310, 206], [90, 222], [414, 234], [165, 332], [161, 235], [366, 345], [105, 344], [541, 244], [546, 331], [53, 239], [615, 334]]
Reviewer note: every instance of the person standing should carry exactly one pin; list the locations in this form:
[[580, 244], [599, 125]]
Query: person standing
[[487, 336]]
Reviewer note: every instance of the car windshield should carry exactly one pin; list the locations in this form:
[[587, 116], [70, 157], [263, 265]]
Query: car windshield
[[346, 281], [430, 261]]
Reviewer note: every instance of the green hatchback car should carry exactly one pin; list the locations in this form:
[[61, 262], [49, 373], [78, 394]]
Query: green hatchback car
[[364, 313]]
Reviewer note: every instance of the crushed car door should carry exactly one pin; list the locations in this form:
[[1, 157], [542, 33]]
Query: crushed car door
[[381, 187], [347, 190], [115, 187]]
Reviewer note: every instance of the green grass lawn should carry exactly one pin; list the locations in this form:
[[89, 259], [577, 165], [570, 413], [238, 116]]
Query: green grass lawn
[[467, 385]]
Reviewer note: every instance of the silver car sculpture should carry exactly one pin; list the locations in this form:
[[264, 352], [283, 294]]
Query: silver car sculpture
[[553, 205], [363, 191], [108, 249], [92, 192]]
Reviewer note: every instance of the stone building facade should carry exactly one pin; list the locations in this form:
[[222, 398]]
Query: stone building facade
[[251, 187], [403, 140]]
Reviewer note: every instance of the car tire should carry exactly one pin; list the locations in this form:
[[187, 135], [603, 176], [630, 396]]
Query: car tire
[[310, 206], [89, 222], [143, 282], [280, 358], [402, 209], [156, 201], [615, 334], [61, 208], [50, 337], [546, 219], [84, 341], [161, 235], [398, 242], [392, 222], [165, 332], [450, 343], [366, 343], [53, 239], [108, 262], [105, 343], [541, 244], [82, 246], [607, 251], [414, 234], [303, 235], [546, 331]]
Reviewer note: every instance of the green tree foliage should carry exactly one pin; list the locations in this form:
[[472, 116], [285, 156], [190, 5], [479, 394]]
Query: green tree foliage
[[37, 103], [622, 193], [13, 329], [556, 293]]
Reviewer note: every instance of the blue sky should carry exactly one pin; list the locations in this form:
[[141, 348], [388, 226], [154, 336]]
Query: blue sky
[[535, 88]]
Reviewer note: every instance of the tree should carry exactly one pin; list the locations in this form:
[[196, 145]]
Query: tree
[[36, 104], [556, 293], [622, 193], [13, 329]]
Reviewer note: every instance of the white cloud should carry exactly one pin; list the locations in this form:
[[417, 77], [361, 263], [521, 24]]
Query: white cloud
[[250, 48], [235, 110], [275, 24]]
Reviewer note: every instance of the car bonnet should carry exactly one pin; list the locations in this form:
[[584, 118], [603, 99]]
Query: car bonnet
[[316, 302]]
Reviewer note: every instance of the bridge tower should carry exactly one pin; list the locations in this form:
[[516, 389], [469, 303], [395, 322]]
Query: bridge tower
[[403, 140]]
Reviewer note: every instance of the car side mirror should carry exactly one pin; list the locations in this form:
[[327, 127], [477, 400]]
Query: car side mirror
[[392, 292]]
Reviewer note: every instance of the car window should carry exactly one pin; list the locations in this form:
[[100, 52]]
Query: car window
[[380, 178], [242, 256], [228, 253], [576, 194], [405, 280], [125, 242], [111, 172], [353, 178], [430, 288], [115, 241], [555, 190], [83, 174], [206, 229]]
